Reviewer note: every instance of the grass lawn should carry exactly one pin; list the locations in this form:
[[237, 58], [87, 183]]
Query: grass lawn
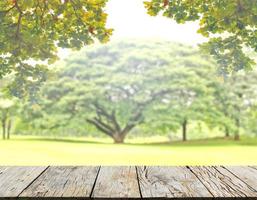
[[87, 151]]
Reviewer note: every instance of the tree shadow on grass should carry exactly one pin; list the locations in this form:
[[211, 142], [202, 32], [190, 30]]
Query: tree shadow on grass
[[218, 141], [210, 142], [67, 140]]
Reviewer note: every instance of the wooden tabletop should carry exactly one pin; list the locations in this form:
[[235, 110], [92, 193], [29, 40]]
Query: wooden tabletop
[[128, 182]]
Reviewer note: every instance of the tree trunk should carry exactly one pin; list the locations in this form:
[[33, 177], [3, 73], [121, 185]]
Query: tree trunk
[[237, 136], [226, 132], [118, 138], [237, 133], [4, 128], [9, 126], [107, 123], [184, 130]]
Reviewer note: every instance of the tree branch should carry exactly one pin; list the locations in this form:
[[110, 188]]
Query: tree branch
[[100, 127], [115, 122], [19, 19], [104, 125], [153, 97], [133, 121], [101, 111], [8, 10], [111, 118]]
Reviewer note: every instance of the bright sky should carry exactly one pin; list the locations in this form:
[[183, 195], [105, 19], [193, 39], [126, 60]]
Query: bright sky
[[130, 20]]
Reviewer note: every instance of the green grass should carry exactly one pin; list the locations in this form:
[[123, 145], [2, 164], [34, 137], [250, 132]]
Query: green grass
[[88, 151]]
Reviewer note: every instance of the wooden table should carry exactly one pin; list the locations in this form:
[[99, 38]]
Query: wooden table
[[128, 182]]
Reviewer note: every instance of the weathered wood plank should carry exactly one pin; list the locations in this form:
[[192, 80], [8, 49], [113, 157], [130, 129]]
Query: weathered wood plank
[[63, 182], [254, 167], [117, 182], [3, 169], [221, 183], [246, 174], [121, 182], [13, 180], [170, 182]]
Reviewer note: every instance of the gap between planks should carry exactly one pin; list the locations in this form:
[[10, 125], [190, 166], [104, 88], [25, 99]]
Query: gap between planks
[[221, 182], [91, 193], [33, 181]]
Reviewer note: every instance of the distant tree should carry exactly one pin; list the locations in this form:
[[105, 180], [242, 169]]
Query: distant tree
[[6, 116], [251, 120], [245, 90], [189, 97], [222, 107], [233, 99], [7, 109], [115, 87]]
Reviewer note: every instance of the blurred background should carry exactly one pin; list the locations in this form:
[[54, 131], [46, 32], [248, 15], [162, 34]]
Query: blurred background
[[149, 96]]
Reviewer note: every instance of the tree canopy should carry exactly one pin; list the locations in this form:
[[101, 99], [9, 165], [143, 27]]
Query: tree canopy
[[32, 30], [231, 27], [233, 100], [132, 88], [119, 86]]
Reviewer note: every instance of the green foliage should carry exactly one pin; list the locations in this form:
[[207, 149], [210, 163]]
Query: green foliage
[[123, 85], [32, 30], [230, 25], [234, 99], [7, 112], [251, 120], [141, 88]]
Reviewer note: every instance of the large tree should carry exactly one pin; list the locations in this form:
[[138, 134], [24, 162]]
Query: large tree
[[114, 87], [32, 30]]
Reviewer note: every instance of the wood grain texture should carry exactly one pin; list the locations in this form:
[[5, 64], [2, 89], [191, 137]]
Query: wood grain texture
[[221, 183], [13, 180], [254, 167], [170, 182], [122, 182], [117, 182], [63, 182], [246, 174]]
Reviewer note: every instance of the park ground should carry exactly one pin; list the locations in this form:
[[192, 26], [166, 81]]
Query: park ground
[[31, 150]]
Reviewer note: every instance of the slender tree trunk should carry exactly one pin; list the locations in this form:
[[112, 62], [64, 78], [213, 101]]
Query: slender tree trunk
[[237, 133], [9, 126], [226, 131], [4, 128], [237, 119], [184, 130], [237, 136]]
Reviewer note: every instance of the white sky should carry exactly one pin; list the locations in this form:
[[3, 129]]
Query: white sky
[[130, 20]]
